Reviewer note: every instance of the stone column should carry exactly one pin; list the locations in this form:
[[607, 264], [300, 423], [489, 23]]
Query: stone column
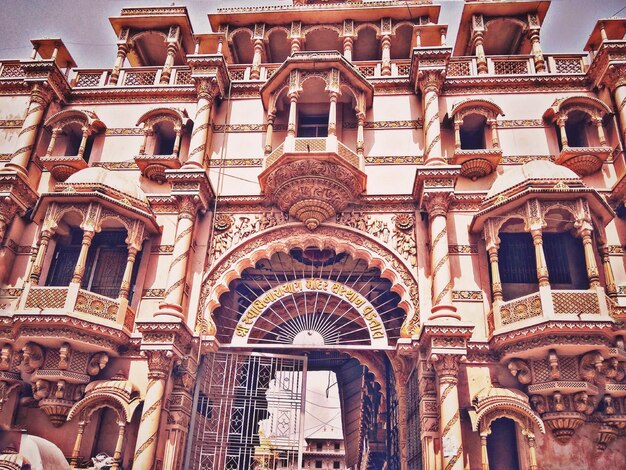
[[561, 123], [496, 283], [172, 49], [542, 267], [360, 138], [77, 443], [484, 455], [55, 133], [601, 136], [296, 45], [176, 147], [147, 133], [44, 239], [271, 116], [122, 52], [437, 206], [611, 289], [291, 126], [386, 54], [430, 83], [332, 115], [159, 365], [172, 304], [79, 271], [255, 72], [447, 367], [540, 63], [493, 127], [83, 143], [481, 59], [532, 451], [117, 453], [619, 93], [348, 44], [199, 136], [457, 134], [584, 229], [39, 100], [128, 273]]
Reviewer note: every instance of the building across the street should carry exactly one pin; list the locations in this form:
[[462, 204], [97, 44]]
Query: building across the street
[[317, 186]]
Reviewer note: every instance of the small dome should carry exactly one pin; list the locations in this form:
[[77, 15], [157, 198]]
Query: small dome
[[533, 170], [116, 181]]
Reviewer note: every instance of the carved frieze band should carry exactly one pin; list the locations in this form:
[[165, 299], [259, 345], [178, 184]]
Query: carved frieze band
[[467, 295], [11, 123], [462, 249]]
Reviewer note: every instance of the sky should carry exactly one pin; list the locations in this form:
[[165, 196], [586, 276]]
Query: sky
[[84, 27]]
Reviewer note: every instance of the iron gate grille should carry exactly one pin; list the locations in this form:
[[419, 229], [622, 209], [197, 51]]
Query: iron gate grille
[[248, 412]]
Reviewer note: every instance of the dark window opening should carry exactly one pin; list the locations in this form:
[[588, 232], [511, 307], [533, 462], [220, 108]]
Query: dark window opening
[[337, 446], [336, 464], [517, 265], [165, 137], [73, 137], [318, 464], [315, 125], [320, 446], [576, 129], [565, 258], [502, 445], [88, 147], [472, 132]]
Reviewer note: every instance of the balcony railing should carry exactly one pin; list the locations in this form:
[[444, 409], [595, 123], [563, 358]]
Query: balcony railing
[[130, 76], [304, 145], [11, 69], [72, 300], [556, 64]]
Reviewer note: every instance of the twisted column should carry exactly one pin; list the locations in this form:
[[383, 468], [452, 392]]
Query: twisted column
[[255, 72], [39, 99], [447, 367], [145, 450], [172, 303], [386, 55], [430, 84], [437, 206], [199, 136]]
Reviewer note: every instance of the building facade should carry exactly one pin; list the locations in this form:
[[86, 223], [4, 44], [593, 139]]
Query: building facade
[[319, 186]]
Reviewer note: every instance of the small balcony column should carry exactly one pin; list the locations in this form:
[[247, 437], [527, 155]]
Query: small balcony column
[[55, 133], [35, 270], [147, 133], [122, 52], [386, 54], [332, 115], [33, 53], [291, 126], [270, 132], [172, 49], [430, 85], [348, 44], [493, 127], [296, 45], [202, 123], [611, 289], [601, 136], [540, 257], [176, 147], [220, 45], [128, 273], [584, 232], [561, 123], [603, 32], [540, 62], [83, 142], [484, 455], [496, 283], [360, 138], [81, 263], [532, 451], [39, 100], [457, 134], [481, 58], [418, 38], [119, 443], [255, 73], [443, 36], [77, 443]]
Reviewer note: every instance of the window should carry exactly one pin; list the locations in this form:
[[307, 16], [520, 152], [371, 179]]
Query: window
[[318, 464], [565, 258], [517, 266], [320, 446], [473, 132], [164, 138], [315, 125], [337, 446], [105, 265], [502, 445], [336, 464]]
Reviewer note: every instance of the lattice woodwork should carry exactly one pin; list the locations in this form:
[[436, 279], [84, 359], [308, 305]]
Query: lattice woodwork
[[575, 303], [510, 67], [459, 69], [522, 309], [367, 70], [311, 145], [87, 80], [11, 70], [237, 74], [183, 77], [269, 72], [275, 155], [348, 155], [46, 297], [404, 69], [97, 305], [140, 78]]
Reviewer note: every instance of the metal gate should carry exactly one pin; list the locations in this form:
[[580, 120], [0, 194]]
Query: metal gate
[[248, 412]]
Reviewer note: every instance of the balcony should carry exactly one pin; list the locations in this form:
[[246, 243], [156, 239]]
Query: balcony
[[130, 76], [477, 163], [556, 64], [583, 160], [312, 178], [60, 307], [63, 166]]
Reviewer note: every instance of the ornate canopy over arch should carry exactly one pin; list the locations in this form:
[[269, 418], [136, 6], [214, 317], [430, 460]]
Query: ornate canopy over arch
[[492, 403], [483, 106], [284, 238], [177, 116], [588, 104], [85, 118]]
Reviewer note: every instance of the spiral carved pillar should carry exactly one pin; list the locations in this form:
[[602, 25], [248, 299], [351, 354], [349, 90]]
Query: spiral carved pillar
[[430, 82], [447, 367], [159, 363], [436, 204], [39, 100], [176, 278], [198, 144]]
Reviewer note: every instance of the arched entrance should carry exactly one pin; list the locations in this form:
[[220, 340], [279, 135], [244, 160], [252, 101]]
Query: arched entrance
[[288, 310]]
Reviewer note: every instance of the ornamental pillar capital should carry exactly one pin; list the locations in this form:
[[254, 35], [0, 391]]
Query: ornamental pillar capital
[[437, 203], [159, 363], [447, 365], [431, 80]]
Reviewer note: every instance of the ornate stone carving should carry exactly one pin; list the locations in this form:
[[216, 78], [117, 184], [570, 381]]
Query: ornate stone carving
[[520, 369], [32, 358]]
